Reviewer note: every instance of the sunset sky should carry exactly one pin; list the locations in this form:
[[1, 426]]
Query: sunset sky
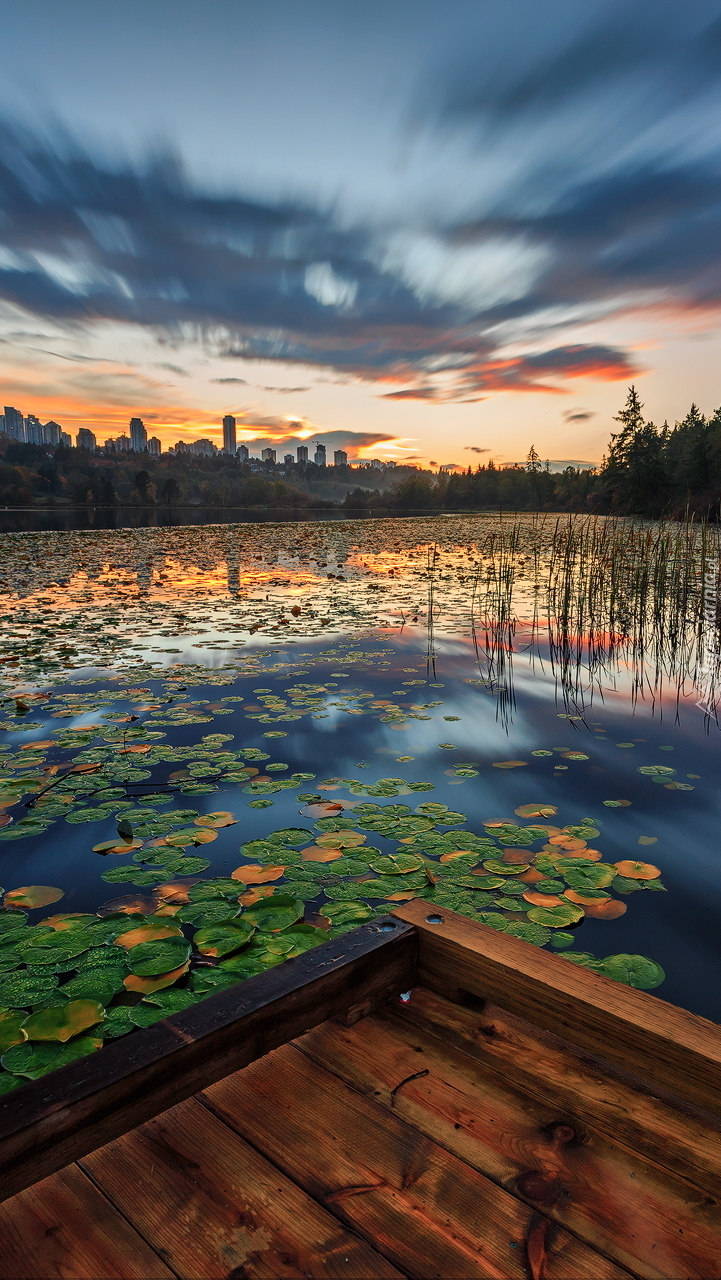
[[414, 230]]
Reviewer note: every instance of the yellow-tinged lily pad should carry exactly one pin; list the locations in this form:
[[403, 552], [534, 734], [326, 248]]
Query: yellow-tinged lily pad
[[637, 870], [150, 931], [536, 810], [11, 1031], [63, 1021], [509, 764], [220, 819], [253, 873], [341, 839], [146, 986], [33, 895]]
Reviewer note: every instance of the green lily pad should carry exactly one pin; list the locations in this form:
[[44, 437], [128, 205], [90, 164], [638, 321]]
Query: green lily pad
[[149, 959], [635, 971], [223, 938], [275, 913], [562, 940], [95, 984], [499, 868], [556, 917], [397, 865], [536, 934], [117, 1022], [36, 1060], [219, 887]]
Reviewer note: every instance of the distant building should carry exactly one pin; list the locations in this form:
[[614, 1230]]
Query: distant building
[[229, 434], [66, 439], [85, 439], [340, 459], [242, 453], [301, 453], [122, 444], [52, 432], [181, 446], [319, 455], [288, 459], [33, 430], [14, 425], [268, 455], [390, 465], [203, 448], [154, 447], [138, 435]]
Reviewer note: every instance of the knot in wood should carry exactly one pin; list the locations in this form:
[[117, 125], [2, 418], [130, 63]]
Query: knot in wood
[[538, 1186], [562, 1132]]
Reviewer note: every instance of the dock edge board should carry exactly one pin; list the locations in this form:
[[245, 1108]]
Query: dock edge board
[[52, 1121]]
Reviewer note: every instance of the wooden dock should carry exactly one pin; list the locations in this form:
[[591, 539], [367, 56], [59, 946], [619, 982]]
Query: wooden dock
[[443, 1137]]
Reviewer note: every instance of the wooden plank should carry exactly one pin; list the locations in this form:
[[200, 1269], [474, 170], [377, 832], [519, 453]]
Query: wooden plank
[[64, 1226], [422, 1207], [645, 1217], [213, 1206], [658, 1041], [62, 1116], [575, 1083]]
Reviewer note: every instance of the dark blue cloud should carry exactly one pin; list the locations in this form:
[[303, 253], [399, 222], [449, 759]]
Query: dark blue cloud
[[618, 207]]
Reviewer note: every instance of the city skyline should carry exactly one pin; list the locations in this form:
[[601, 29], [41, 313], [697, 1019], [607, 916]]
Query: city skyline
[[464, 232]]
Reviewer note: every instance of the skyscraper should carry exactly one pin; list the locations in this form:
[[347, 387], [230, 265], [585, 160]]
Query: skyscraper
[[288, 459], [51, 432], [301, 453], [242, 453], [319, 455], [268, 455], [33, 429], [138, 435], [229, 434], [154, 447], [14, 425], [85, 439], [340, 459]]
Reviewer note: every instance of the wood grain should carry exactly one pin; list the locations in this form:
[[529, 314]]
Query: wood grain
[[215, 1207], [421, 1206], [645, 1217], [574, 1082], [656, 1040], [65, 1227], [64, 1115]]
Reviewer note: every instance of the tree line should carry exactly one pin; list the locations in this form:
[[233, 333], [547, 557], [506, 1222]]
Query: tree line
[[647, 471]]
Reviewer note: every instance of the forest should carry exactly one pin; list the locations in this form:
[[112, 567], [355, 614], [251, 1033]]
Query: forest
[[648, 471]]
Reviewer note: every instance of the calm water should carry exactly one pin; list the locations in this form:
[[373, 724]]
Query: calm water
[[355, 664]]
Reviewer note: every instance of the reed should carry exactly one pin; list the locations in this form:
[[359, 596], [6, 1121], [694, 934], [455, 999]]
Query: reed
[[602, 597]]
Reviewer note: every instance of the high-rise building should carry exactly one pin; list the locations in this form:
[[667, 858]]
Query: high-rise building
[[319, 455], [203, 448], [51, 432], [229, 434], [268, 455], [85, 439], [154, 447], [66, 439], [138, 435], [340, 459], [288, 459], [242, 453], [122, 444], [301, 453], [14, 425], [33, 429]]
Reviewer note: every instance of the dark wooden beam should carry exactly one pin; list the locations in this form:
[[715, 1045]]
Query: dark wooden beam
[[658, 1042], [72, 1111]]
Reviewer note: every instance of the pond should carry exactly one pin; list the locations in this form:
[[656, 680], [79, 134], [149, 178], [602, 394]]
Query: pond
[[224, 745]]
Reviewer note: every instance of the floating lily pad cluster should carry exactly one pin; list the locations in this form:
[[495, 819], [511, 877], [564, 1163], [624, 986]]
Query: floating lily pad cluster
[[73, 981]]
